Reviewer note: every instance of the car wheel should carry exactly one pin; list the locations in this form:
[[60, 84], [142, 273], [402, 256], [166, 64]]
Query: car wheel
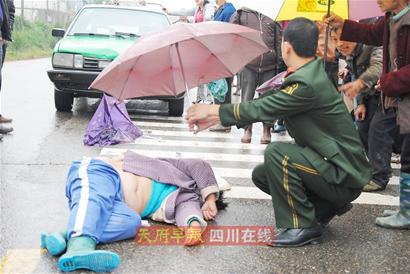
[[176, 107], [63, 101]]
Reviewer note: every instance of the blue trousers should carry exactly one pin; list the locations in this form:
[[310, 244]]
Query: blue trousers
[[95, 200]]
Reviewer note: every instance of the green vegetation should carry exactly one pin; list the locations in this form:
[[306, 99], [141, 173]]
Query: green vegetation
[[30, 40]]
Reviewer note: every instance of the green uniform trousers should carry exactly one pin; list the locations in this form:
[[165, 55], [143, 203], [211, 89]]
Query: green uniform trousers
[[299, 193]]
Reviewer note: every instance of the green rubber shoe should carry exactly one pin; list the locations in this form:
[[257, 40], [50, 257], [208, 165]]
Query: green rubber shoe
[[389, 212], [81, 254], [55, 243], [397, 220]]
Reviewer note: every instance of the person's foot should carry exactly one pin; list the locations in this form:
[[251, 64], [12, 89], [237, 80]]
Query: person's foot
[[81, 254], [395, 158], [5, 119], [297, 237], [55, 243], [325, 219], [372, 186], [398, 220], [247, 136], [278, 128], [220, 128], [389, 212], [5, 129]]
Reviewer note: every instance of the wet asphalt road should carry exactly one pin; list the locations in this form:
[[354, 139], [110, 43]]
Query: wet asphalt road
[[34, 162]]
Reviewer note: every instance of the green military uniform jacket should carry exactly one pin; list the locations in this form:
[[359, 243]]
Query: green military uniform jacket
[[316, 118]]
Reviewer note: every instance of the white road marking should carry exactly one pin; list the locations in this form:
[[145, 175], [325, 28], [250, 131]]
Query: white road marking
[[171, 144], [159, 138], [240, 192]]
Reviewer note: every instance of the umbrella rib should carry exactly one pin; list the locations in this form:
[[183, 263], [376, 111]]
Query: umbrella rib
[[215, 55], [128, 77], [172, 62], [244, 37]]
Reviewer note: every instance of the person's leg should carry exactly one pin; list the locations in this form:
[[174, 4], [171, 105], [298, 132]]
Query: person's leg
[[259, 178], [292, 178], [248, 87], [203, 95], [400, 218], [293, 181], [363, 126], [381, 138], [266, 134], [93, 188]]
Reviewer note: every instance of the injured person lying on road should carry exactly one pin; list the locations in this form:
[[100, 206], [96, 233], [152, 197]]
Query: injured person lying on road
[[107, 198]]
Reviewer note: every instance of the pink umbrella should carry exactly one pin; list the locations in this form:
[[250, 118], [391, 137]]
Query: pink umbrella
[[180, 57]]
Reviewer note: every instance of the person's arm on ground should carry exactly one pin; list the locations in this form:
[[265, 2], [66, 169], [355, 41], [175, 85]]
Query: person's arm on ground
[[201, 172]]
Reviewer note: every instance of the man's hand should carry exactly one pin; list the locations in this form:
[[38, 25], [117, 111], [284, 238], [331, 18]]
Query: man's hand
[[360, 112], [202, 116], [343, 73], [353, 88], [209, 209], [334, 21], [378, 87]]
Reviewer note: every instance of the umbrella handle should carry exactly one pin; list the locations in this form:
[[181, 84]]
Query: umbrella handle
[[196, 127], [182, 70], [326, 34]]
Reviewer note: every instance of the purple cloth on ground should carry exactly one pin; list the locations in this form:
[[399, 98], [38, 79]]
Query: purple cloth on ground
[[273, 83], [111, 124]]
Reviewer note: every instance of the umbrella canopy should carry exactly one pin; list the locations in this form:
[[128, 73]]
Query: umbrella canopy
[[111, 124], [316, 9], [180, 57]]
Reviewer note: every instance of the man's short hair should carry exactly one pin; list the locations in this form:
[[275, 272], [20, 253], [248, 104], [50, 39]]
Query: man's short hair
[[303, 35]]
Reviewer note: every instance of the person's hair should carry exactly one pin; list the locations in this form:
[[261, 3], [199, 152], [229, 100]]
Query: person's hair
[[220, 204], [303, 35]]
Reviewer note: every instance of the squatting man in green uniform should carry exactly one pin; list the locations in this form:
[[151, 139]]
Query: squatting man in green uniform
[[316, 178]]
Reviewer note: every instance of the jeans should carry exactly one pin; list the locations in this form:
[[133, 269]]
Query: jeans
[[405, 154], [381, 136]]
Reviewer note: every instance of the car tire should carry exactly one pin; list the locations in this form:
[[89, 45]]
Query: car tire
[[63, 101], [176, 107]]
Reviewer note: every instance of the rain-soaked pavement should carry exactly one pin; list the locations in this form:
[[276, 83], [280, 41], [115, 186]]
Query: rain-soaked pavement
[[36, 156]]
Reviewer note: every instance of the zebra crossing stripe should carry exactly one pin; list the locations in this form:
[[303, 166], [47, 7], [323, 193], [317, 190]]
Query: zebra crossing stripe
[[137, 118], [220, 171], [177, 154], [200, 135], [241, 192], [158, 141]]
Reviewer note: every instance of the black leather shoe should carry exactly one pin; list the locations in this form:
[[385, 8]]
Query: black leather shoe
[[292, 237], [325, 219]]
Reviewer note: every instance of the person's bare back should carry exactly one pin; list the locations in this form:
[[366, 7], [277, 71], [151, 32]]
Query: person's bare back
[[136, 189]]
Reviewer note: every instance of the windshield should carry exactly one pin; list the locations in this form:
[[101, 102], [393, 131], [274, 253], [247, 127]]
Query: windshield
[[107, 21]]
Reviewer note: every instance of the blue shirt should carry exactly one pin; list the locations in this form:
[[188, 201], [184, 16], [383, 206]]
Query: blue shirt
[[224, 13], [1, 12]]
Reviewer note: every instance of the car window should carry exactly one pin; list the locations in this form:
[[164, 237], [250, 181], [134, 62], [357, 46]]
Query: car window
[[106, 21]]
